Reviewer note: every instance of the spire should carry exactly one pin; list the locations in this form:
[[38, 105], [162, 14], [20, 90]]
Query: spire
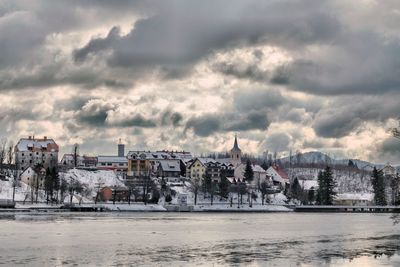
[[235, 145]]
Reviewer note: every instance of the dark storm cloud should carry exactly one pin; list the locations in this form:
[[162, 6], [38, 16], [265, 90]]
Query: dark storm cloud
[[277, 142], [136, 120], [209, 124], [204, 125], [388, 149], [170, 117], [254, 120], [185, 32], [94, 113], [241, 71], [96, 45], [345, 115], [245, 100]]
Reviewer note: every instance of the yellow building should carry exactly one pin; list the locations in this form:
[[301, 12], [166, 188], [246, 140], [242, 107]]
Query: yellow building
[[138, 164], [198, 168]]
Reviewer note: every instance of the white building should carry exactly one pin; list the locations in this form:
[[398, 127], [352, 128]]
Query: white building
[[112, 163], [260, 175], [30, 177], [30, 152], [278, 175]]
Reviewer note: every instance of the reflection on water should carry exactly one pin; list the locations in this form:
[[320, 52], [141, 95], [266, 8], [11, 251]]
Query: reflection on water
[[280, 239]]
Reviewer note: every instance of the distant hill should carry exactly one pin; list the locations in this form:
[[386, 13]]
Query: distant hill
[[319, 158]]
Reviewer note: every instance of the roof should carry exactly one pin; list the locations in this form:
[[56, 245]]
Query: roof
[[203, 161], [355, 196], [114, 159], [37, 144], [155, 155], [257, 168], [280, 172], [308, 184], [170, 165]]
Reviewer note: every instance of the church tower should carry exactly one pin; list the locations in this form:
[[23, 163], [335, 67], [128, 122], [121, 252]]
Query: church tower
[[236, 153]]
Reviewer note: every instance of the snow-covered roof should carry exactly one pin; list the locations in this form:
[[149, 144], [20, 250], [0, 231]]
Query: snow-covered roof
[[278, 174], [25, 144], [170, 165], [113, 159], [258, 168], [308, 184], [355, 196]]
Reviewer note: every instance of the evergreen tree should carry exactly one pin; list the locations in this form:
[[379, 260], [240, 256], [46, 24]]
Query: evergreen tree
[[248, 172], [264, 165], [326, 187], [378, 185], [330, 185], [296, 190], [321, 188]]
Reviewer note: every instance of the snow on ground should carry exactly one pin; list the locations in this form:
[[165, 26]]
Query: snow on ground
[[22, 191], [91, 179], [355, 196], [347, 180]]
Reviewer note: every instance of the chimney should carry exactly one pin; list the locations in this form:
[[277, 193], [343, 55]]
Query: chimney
[[45, 138], [30, 137], [121, 149]]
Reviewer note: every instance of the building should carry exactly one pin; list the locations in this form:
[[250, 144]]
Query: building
[[278, 175], [121, 149], [119, 193], [81, 161], [260, 175], [34, 178], [236, 153], [112, 163], [30, 152], [198, 168], [169, 168], [354, 199], [389, 170], [141, 163]]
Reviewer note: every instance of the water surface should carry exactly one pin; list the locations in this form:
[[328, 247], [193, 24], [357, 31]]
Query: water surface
[[182, 239]]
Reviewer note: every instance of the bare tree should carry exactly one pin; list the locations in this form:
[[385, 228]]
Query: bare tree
[[3, 152]]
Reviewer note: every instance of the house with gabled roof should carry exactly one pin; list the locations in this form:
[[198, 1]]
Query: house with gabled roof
[[32, 151], [278, 175]]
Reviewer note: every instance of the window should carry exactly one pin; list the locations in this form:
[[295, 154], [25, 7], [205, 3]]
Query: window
[[109, 164], [103, 164]]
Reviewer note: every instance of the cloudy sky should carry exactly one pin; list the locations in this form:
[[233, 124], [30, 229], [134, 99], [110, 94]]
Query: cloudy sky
[[299, 75]]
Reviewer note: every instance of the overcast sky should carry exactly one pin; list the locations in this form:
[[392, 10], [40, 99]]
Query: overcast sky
[[300, 75]]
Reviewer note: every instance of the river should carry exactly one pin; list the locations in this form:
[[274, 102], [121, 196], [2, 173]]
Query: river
[[198, 239]]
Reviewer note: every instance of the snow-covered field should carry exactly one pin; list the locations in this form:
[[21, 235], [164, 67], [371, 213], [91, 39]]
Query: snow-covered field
[[347, 180], [91, 179]]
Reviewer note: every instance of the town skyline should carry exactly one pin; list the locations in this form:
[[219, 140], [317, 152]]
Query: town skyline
[[283, 75]]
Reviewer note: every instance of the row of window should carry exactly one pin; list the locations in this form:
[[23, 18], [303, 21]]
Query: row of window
[[37, 153], [110, 164]]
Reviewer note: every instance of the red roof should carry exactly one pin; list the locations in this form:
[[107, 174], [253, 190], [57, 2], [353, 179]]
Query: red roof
[[281, 172]]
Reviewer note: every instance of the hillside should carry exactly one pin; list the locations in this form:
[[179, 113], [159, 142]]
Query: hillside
[[319, 158]]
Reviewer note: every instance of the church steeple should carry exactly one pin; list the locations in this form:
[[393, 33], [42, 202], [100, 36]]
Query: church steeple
[[235, 145], [236, 153]]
